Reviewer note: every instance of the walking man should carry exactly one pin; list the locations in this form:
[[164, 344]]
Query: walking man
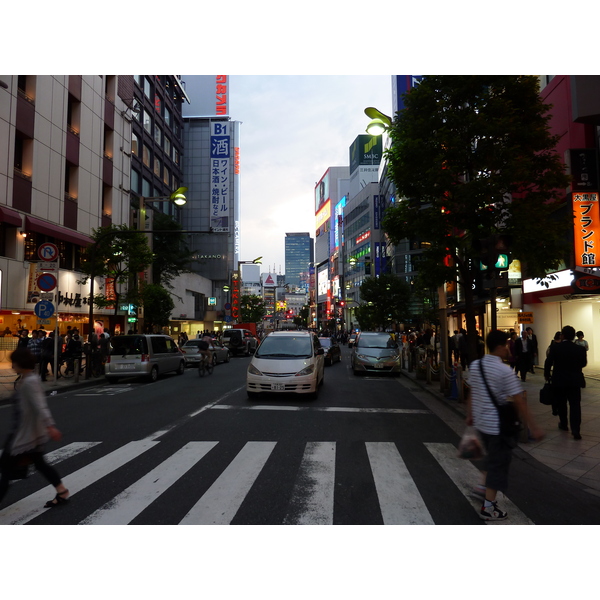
[[483, 415], [523, 347], [564, 368]]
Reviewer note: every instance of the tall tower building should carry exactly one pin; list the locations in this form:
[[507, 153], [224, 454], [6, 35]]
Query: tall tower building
[[299, 254]]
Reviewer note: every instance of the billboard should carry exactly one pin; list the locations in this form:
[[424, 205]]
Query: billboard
[[220, 182], [586, 229], [208, 94], [365, 150], [400, 85], [322, 192]]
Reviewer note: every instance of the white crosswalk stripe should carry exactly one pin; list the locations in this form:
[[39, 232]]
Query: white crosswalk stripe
[[222, 500], [399, 499], [312, 498], [313, 486], [130, 503]]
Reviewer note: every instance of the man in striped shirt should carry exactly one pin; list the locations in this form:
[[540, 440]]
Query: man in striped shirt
[[483, 415]]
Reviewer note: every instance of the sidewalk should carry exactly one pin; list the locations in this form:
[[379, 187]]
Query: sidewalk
[[8, 376], [578, 460]]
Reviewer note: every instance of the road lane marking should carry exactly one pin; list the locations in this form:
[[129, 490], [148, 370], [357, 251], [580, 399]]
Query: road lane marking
[[33, 505], [353, 409], [68, 451], [122, 509], [399, 499], [465, 475], [312, 498], [220, 503]]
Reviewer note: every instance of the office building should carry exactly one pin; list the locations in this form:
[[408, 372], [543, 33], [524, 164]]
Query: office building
[[299, 255]]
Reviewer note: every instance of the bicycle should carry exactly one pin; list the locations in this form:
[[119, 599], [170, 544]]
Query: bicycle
[[205, 366], [66, 366]]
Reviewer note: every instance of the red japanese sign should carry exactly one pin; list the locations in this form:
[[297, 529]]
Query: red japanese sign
[[586, 211]]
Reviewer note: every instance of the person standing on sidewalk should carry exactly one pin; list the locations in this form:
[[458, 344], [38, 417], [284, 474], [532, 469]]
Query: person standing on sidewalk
[[523, 348], [483, 415], [534, 349], [563, 368], [32, 427]]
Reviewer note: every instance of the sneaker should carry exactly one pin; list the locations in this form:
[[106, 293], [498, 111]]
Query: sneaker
[[492, 513]]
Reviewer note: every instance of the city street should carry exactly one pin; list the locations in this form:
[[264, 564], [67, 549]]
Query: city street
[[190, 450]]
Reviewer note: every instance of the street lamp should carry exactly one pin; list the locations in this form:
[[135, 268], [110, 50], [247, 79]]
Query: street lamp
[[380, 122]]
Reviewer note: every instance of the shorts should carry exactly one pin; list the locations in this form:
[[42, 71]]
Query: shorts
[[497, 460]]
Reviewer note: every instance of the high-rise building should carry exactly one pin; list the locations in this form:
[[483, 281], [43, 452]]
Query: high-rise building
[[299, 255]]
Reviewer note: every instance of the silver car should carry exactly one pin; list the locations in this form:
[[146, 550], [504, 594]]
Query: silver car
[[192, 354], [375, 352], [143, 355]]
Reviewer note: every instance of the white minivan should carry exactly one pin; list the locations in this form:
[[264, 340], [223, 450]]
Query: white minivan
[[286, 361]]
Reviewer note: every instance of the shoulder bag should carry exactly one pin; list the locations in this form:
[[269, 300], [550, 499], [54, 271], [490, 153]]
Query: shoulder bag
[[510, 424]]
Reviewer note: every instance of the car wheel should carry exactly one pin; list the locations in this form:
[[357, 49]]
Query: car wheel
[[154, 374], [227, 357], [214, 360]]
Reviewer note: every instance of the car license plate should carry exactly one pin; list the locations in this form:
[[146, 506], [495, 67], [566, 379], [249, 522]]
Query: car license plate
[[278, 387], [124, 366], [379, 365]]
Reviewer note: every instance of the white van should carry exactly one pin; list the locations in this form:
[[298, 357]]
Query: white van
[[143, 355], [287, 361]]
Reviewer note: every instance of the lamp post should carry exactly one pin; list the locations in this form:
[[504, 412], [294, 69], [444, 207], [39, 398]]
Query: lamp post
[[380, 123], [178, 198]]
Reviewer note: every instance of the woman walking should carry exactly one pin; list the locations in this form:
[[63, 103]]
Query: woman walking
[[32, 427]]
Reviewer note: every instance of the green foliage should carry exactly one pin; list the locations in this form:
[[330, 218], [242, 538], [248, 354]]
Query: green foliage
[[119, 253], [158, 306], [302, 319], [252, 309], [472, 156], [172, 256], [385, 299]]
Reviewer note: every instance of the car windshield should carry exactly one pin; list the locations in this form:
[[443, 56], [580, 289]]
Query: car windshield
[[284, 347], [383, 340]]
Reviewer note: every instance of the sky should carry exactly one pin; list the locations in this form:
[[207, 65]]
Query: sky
[[293, 129]]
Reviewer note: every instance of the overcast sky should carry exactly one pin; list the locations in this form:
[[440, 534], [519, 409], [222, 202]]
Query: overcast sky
[[293, 129]]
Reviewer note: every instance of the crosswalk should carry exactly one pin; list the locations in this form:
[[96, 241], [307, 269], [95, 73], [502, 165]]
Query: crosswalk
[[310, 497]]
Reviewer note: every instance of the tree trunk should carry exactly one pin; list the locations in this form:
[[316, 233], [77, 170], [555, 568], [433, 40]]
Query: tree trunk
[[472, 342]]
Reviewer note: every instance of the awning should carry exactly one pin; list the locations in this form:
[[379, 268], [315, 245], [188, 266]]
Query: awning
[[60, 233], [12, 217]]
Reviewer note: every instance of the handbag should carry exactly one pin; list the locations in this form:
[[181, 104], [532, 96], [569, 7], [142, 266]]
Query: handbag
[[547, 394], [510, 423]]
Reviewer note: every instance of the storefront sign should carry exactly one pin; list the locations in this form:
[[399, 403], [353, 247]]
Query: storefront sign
[[525, 318], [586, 229], [220, 184], [586, 284]]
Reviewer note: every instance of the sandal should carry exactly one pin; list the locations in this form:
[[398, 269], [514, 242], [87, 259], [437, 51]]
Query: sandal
[[58, 499]]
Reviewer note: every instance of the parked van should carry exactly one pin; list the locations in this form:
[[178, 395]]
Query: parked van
[[143, 355]]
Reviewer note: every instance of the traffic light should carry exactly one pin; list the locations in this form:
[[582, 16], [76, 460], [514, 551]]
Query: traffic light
[[342, 303]]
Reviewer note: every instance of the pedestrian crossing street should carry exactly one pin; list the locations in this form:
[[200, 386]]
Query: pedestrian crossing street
[[311, 500]]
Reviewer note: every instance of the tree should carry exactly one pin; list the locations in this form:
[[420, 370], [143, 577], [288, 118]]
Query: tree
[[386, 300], [302, 319], [158, 306], [119, 253], [252, 309], [472, 157], [172, 255]]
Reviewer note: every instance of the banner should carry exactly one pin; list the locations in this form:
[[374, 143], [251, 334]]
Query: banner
[[220, 183]]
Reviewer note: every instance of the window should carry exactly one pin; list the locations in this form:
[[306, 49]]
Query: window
[[176, 156], [167, 116], [139, 79], [157, 167], [147, 122], [166, 176], [135, 181], [135, 144], [167, 146], [158, 136], [146, 188], [147, 88], [146, 156]]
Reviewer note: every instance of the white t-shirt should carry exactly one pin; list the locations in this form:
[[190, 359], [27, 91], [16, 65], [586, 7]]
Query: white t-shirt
[[503, 382]]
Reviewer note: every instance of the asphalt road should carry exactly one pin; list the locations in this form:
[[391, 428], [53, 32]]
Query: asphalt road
[[190, 450]]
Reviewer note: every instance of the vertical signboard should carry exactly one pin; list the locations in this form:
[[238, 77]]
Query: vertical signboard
[[586, 229], [220, 183], [400, 85]]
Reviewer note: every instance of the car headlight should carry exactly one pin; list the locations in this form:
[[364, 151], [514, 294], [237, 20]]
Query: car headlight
[[306, 371], [363, 356], [253, 370]]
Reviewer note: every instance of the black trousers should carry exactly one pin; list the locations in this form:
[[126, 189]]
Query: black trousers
[[572, 395], [524, 365], [8, 462]]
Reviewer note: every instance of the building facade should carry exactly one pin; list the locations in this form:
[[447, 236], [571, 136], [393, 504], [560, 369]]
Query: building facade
[[299, 255]]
